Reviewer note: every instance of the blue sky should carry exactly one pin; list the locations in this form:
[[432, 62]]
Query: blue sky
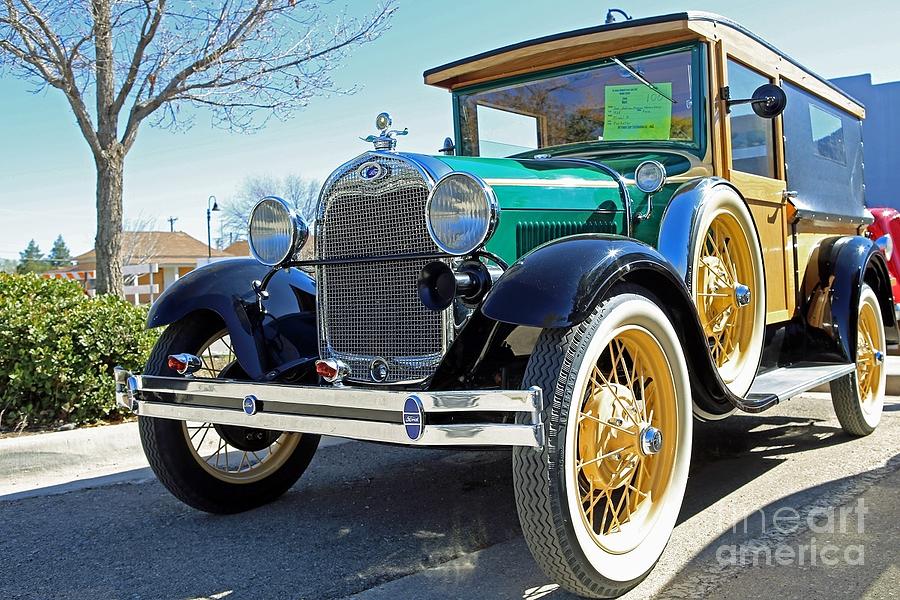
[[47, 175]]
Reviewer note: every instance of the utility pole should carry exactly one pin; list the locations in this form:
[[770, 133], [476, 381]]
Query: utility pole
[[171, 221]]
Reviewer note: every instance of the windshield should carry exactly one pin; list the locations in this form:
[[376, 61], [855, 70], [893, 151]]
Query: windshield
[[605, 103]]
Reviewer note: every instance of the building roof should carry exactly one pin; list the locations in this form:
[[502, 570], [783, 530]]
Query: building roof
[[166, 247], [238, 248]]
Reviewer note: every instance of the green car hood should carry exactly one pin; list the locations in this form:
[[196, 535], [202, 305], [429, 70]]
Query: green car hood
[[541, 200]]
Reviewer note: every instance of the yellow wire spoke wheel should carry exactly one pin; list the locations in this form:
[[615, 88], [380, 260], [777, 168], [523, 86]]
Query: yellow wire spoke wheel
[[234, 454], [627, 433], [254, 456], [869, 354], [727, 283], [858, 398]]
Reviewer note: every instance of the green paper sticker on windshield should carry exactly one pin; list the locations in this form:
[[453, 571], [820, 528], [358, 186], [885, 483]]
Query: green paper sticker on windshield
[[637, 112]]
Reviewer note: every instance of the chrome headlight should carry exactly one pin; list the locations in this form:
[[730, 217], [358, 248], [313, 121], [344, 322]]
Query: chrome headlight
[[650, 176], [276, 233], [461, 213]]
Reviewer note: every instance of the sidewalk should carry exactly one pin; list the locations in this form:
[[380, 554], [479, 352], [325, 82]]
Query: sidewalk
[[63, 461], [66, 458]]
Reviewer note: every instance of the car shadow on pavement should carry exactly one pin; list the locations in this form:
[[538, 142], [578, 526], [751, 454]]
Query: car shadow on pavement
[[832, 540], [719, 462]]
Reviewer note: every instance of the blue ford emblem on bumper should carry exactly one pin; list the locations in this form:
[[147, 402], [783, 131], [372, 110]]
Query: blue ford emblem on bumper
[[413, 418], [250, 405]]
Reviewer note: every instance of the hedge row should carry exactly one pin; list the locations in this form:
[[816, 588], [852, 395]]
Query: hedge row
[[58, 348]]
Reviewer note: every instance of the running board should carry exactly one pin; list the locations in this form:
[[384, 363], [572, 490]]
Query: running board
[[783, 383]]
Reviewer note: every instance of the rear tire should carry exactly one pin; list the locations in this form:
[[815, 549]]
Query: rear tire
[[560, 488], [178, 464], [858, 398]]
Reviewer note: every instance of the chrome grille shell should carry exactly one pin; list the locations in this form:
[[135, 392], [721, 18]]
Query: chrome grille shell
[[370, 309]]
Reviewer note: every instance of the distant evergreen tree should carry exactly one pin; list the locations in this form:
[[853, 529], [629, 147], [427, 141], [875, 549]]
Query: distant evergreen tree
[[8, 265], [31, 259], [59, 254]]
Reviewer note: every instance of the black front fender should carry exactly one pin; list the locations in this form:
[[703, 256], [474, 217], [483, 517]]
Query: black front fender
[[560, 283], [264, 343]]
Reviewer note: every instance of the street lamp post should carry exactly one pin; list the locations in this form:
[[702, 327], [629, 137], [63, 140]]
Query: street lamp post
[[211, 205]]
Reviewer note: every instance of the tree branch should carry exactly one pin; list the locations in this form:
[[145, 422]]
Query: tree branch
[[148, 32]]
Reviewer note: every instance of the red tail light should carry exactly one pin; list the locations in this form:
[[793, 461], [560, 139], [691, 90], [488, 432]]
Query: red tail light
[[184, 363], [332, 370], [327, 371], [177, 365]]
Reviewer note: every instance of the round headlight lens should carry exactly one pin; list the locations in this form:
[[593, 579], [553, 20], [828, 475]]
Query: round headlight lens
[[461, 213], [276, 233], [650, 176]]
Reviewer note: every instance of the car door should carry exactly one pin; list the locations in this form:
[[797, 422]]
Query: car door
[[752, 160]]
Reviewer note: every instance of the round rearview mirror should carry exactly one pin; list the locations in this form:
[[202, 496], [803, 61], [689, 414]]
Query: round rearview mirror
[[769, 101]]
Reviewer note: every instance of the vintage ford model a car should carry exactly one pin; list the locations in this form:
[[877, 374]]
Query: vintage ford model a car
[[638, 224]]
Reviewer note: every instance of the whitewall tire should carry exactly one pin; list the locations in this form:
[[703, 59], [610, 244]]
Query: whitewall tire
[[598, 504]]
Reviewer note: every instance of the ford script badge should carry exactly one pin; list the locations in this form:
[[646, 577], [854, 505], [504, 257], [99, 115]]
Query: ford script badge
[[371, 171], [250, 405], [413, 418]]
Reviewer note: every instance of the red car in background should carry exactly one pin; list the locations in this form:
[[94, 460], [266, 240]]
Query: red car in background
[[887, 223]]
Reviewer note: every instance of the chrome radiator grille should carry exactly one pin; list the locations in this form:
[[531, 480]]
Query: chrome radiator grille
[[371, 310]]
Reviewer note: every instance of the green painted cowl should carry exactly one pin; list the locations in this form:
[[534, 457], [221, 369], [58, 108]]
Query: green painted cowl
[[541, 200]]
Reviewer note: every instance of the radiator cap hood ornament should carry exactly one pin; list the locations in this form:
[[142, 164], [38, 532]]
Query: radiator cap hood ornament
[[387, 137]]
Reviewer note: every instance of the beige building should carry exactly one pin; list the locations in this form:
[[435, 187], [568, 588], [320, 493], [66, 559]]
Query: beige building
[[153, 260]]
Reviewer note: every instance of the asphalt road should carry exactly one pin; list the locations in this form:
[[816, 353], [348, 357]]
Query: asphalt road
[[371, 521]]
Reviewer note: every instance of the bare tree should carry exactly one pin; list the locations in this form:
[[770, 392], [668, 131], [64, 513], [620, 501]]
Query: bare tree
[[302, 194], [139, 245], [244, 60]]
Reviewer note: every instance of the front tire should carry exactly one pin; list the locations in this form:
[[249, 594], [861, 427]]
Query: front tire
[[599, 502], [858, 398], [214, 468]]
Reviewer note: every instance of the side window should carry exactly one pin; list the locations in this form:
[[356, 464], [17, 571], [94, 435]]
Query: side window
[[827, 134], [752, 141]]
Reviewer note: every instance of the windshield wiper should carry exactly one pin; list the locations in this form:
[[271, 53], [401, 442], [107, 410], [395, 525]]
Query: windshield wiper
[[641, 78]]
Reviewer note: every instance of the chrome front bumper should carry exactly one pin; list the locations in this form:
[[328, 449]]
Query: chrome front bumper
[[495, 417]]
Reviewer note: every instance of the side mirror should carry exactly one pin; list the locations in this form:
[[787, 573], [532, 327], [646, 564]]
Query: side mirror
[[768, 101]]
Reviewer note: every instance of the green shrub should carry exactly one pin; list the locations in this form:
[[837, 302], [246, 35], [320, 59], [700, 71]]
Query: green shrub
[[58, 349]]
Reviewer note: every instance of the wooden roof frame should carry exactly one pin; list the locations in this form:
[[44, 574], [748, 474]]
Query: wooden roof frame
[[594, 43]]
